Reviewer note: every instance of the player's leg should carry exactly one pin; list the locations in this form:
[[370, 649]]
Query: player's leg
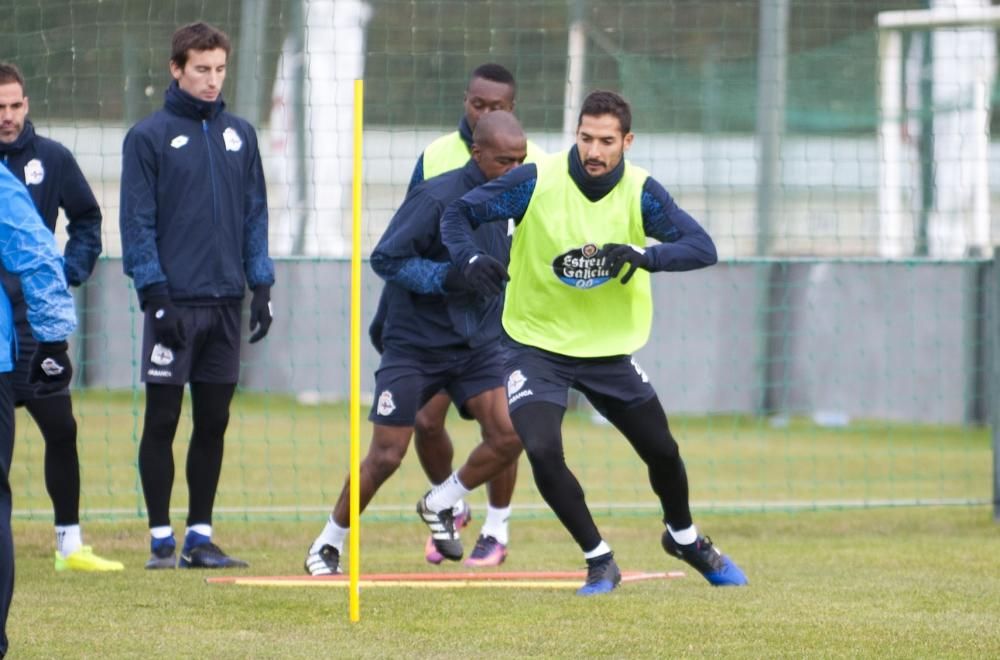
[[165, 372], [55, 420], [539, 424], [402, 385], [6, 536], [436, 453], [215, 370], [474, 384], [209, 420], [623, 394], [385, 454], [156, 467]]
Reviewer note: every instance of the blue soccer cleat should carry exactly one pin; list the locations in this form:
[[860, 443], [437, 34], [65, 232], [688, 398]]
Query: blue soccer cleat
[[716, 567], [602, 576], [208, 555]]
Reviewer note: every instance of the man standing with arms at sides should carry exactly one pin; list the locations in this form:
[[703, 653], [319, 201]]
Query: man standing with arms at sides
[[583, 217], [27, 250], [53, 179], [491, 87], [439, 335], [194, 236]]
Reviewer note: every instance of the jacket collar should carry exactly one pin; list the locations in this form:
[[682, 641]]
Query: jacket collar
[[18, 145], [593, 187], [179, 102]]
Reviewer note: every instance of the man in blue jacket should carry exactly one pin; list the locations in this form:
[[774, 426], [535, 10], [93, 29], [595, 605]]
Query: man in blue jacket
[[27, 250], [439, 335], [54, 180], [194, 236]]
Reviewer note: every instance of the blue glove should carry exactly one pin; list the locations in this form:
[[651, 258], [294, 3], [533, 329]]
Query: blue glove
[[260, 313], [50, 367], [485, 275], [616, 255]]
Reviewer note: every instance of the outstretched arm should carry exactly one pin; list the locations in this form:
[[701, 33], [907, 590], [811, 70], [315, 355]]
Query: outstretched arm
[[499, 200]]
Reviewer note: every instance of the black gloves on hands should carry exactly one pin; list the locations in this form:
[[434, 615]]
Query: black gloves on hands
[[50, 367], [168, 330], [260, 313], [485, 275], [616, 255]]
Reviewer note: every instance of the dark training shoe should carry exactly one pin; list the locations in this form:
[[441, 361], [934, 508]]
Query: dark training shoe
[[208, 555], [444, 533], [602, 576], [163, 555], [324, 562], [705, 558]]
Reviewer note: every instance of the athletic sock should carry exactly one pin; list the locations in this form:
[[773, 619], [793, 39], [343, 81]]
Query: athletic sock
[[196, 535], [684, 536], [332, 534], [496, 524], [68, 539], [601, 549], [444, 495], [161, 536]]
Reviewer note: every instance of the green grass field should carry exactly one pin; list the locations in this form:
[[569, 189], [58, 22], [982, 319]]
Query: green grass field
[[828, 578]]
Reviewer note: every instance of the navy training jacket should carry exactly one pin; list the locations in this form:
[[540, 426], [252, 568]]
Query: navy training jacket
[[54, 179], [193, 204]]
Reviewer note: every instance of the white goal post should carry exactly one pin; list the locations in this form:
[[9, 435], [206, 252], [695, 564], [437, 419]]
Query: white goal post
[[896, 238]]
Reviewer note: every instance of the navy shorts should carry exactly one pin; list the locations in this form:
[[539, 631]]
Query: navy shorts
[[404, 381], [212, 351], [534, 375]]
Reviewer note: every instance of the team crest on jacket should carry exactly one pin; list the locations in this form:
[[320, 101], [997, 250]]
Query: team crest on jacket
[[385, 404], [232, 139], [581, 268], [34, 172], [179, 141]]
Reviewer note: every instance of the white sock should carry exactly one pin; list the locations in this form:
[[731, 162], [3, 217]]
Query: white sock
[[601, 549], [200, 528], [444, 495], [332, 534], [164, 532], [68, 539], [496, 523], [684, 536]]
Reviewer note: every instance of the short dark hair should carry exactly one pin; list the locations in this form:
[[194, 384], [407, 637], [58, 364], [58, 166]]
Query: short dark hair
[[602, 102], [196, 36], [9, 73], [495, 72]]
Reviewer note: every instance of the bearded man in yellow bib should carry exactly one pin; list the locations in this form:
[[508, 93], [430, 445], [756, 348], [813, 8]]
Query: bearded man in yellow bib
[[578, 304]]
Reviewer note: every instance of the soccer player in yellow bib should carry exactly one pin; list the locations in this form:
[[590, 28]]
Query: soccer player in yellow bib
[[578, 304], [491, 87]]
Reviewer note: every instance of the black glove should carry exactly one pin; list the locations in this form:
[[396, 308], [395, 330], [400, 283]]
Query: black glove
[[616, 255], [260, 313], [50, 366], [168, 330], [485, 275], [455, 282]]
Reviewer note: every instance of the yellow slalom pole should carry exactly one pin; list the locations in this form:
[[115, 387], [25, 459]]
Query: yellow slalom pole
[[355, 494]]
